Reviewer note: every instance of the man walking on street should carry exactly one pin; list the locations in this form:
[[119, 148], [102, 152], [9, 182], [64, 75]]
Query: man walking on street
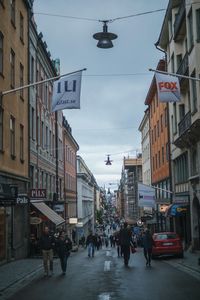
[[47, 244], [90, 243], [125, 239]]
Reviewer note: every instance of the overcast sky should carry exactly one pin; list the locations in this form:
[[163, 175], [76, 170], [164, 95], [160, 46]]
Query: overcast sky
[[112, 100]]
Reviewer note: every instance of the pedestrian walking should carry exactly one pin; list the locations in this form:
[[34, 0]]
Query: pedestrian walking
[[90, 243], [147, 245], [118, 243], [47, 245], [125, 240], [63, 248]]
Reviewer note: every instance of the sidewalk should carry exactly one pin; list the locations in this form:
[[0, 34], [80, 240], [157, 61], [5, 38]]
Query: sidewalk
[[17, 274], [188, 264]]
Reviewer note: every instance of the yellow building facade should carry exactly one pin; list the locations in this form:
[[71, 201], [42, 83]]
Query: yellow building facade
[[14, 146]]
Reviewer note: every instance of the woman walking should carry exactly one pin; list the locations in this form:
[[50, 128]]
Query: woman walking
[[147, 244], [64, 246]]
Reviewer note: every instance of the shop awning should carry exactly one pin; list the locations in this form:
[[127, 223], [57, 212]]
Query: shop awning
[[176, 210], [49, 213]]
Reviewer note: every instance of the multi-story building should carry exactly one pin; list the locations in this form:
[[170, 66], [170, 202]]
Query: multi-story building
[[46, 139], [86, 189], [146, 162], [131, 175], [70, 179], [159, 147], [180, 39], [14, 142]]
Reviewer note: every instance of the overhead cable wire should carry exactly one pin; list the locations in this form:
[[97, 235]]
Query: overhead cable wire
[[138, 14], [115, 74], [97, 20]]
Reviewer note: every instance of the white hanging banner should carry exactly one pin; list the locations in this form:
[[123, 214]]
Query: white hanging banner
[[168, 88], [66, 92], [146, 196]]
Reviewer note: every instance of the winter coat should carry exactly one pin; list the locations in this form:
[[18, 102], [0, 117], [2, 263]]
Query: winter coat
[[125, 237], [47, 242], [147, 240], [63, 247], [91, 239]]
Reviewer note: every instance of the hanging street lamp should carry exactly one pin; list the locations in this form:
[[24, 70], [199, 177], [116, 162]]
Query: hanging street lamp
[[104, 38]]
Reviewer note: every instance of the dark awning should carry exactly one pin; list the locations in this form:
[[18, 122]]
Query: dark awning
[[49, 213], [176, 210]]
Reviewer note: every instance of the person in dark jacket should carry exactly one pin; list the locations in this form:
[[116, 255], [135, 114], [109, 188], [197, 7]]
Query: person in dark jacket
[[125, 240], [47, 244], [147, 245], [63, 248], [90, 243]]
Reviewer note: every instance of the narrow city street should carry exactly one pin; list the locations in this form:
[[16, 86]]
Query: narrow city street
[[105, 277]]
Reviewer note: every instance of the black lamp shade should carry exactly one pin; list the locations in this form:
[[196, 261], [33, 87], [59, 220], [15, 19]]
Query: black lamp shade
[[104, 38]]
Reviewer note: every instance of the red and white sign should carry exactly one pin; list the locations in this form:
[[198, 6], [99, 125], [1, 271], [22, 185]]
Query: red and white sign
[[168, 88]]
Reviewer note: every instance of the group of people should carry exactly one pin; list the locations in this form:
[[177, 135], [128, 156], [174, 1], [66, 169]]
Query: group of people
[[126, 241], [62, 245]]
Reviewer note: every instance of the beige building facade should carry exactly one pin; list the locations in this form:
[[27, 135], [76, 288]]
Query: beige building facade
[[180, 38]]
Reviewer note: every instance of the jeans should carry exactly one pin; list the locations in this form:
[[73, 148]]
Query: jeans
[[63, 262], [91, 249]]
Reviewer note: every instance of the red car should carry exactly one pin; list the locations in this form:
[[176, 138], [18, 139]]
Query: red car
[[167, 243]]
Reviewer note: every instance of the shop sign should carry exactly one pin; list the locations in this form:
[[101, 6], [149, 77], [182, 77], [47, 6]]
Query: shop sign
[[35, 220], [38, 194], [73, 220], [22, 199], [58, 207]]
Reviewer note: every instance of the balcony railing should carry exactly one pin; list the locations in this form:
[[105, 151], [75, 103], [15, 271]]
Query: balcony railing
[[185, 123], [183, 68], [178, 24]]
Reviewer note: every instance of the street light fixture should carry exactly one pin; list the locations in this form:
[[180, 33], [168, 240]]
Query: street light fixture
[[104, 38]]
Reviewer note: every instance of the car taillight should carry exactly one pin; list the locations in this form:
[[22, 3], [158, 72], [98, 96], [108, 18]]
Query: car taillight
[[157, 244]]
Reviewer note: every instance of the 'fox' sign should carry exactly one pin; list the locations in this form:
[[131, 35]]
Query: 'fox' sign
[[168, 88]]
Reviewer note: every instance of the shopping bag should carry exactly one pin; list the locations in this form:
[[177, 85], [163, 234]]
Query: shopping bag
[[133, 250]]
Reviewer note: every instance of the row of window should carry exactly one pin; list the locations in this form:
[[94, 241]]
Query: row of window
[[12, 67], [160, 157], [162, 189], [41, 179], [21, 35], [158, 128], [13, 135], [181, 171], [70, 182], [70, 156], [46, 139]]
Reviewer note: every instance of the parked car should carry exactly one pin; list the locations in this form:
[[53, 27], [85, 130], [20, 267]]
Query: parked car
[[167, 243]]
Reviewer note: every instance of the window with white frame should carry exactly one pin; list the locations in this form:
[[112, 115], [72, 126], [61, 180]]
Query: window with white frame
[[12, 137], [190, 30], [1, 53], [1, 128], [194, 93], [21, 143], [12, 68]]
